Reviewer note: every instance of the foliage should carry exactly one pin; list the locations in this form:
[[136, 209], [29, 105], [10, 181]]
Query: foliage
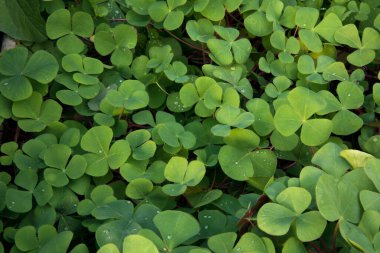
[[190, 126]]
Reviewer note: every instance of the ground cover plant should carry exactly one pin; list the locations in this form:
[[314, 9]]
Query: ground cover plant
[[190, 126]]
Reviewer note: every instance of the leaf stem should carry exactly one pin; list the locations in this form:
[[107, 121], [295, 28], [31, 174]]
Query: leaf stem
[[185, 42], [336, 229], [316, 247], [159, 86]]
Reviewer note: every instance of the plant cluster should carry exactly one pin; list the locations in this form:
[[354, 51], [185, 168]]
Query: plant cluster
[[190, 126]]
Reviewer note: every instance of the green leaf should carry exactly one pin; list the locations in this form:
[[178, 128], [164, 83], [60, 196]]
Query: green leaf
[[21, 19], [18, 201], [337, 200], [58, 24], [293, 245], [175, 227], [133, 243], [306, 17], [200, 30], [221, 50], [361, 57], [305, 65], [275, 219], [328, 158], [328, 26], [236, 163], [222, 243], [348, 35], [372, 171], [316, 131], [257, 24], [310, 226], [138, 188], [294, 198], [26, 239], [286, 120], [97, 140], [178, 170], [108, 248], [346, 122], [42, 67]]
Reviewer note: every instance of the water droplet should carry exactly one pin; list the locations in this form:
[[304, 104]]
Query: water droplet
[[349, 95], [100, 151], [169, 237], [29, 167], [205, 216], [209, 217], [13, 203], [206, 227], [5, 84], [176, 103], [236, 162], [158, 212], [304, 24], [146, 218], [43, 190], [375, 139], [333, 74], [238, 249]]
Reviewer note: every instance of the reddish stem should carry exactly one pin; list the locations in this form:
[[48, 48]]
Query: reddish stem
[[316, 247], [185, 42], [336, 229]]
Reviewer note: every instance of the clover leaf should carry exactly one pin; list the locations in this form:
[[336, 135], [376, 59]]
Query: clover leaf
[[276, 218], [307, 67], [99, 196], [45, 239], [168, 13], [20, 200], [119, 41], [130, 95], [76, 92], [365, 53], [200, 30], [138, 243], [141, 144], [206, 94], [337, 199], [229, 49], [306, 18], [84, 68], [351, 97], [60, 168], [18, 68], [279, 85], [303, 103], [287, 46], [175, 227], [160, 58], [67, 28], [229, 116], [101, 155], [231, 76], [235, 157], [35, 114], [177, 72], [182, 174]]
